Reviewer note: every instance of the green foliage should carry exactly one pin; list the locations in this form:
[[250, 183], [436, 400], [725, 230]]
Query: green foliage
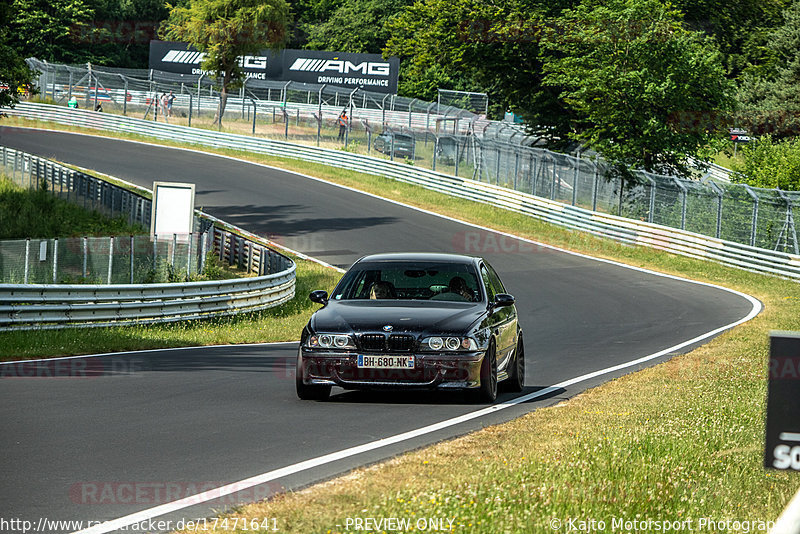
[[45, 27], [478, 46], [14, 73], [769, 99], [769, 163], [40, 214], [624, 69], [226, 30], [741, 29], [355, 26]]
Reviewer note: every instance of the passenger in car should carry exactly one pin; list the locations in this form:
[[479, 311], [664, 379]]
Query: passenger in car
[[459, 286]]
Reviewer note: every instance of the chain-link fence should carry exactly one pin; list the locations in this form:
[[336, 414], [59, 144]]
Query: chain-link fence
[[95, 260], [435, 136]]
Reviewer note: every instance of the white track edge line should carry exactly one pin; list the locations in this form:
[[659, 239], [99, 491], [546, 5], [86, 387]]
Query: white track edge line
[[216, 493], [789, 519], [144, 351], [756, 309]]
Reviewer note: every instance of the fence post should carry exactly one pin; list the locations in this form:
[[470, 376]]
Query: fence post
[[241, 95], [203, 251], [652, 200], [685, 194], [719, 192], [198, 93], [754, 218], [458, 157], [497, 167], [190, 108], [125, 100], [189, 255], [575, 181], [172, 252], [85, 257], [132, 244], [55, 261], [27, 259], [110, 257], [254, 116]]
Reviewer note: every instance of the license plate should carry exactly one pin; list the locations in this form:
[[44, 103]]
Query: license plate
[[385, 362]]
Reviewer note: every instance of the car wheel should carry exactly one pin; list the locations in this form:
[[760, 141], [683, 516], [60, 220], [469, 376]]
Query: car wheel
[[516, 375], [488, 389], [309, 391]]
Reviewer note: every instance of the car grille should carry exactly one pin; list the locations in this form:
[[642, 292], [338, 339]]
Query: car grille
[[374, 342], [380, 343], [401, 343]]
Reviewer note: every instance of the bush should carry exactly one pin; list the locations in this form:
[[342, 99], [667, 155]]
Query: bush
[[769, 163]]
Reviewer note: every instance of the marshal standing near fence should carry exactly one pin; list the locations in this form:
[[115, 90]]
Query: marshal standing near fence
[[342, 125]]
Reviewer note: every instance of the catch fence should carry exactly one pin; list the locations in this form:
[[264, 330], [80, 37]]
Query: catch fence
[[130, 259], [443, 138]]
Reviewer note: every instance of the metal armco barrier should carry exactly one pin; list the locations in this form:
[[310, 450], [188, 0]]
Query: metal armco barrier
[[619, 228], [47, 306]]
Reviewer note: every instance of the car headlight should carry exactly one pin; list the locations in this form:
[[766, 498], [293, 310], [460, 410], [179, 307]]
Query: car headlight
[[330, 341], [449, 343]]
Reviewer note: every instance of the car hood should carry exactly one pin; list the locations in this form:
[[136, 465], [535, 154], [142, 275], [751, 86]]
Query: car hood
[[404, 317]]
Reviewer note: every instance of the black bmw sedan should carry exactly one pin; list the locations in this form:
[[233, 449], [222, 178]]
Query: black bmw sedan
[[430, 321]]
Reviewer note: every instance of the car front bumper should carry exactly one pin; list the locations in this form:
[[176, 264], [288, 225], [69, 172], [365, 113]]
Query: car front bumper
[[431, 371]]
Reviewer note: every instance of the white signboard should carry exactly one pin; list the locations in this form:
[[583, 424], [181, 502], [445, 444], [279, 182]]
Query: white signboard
[[173, 209]]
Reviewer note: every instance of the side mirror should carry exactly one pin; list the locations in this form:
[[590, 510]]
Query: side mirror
[[319, 296], [502, 300]]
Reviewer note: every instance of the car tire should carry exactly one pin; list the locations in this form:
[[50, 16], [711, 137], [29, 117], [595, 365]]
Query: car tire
[[487, 392], [516, 376], [309, 391]]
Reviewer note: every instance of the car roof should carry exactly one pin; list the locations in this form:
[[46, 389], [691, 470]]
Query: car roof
[[420, 256]]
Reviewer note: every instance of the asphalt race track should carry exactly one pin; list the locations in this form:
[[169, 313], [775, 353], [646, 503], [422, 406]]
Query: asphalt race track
[[166, 423]]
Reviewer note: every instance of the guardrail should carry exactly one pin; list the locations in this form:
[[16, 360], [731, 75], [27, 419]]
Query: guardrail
[[619, 228], [47, 306]]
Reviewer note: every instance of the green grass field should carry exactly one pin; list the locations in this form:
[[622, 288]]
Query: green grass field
[[681, 441]]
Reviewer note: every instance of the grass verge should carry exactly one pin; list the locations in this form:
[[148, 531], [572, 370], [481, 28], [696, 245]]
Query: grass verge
[[681, 441], [37, 213], [277, 324]]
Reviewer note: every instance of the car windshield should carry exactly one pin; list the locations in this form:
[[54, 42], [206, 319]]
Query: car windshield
[[409, 281]]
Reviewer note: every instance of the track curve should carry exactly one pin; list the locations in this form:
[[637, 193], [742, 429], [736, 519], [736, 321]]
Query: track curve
[[218, 415]]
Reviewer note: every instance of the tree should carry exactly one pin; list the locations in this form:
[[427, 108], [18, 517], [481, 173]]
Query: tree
[[741, 29], [45, 27], [475, 45], [14, 73], [770, 100], [355, 26], [226, 30], [624, 69]]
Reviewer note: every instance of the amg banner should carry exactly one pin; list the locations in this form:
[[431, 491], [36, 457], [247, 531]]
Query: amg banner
[[367, 71]]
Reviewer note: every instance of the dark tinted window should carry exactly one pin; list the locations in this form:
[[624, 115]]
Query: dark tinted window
[[409, 281]]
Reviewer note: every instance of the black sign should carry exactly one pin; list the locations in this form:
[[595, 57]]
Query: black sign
[[180, 58], [366, 71], [783, 402]]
